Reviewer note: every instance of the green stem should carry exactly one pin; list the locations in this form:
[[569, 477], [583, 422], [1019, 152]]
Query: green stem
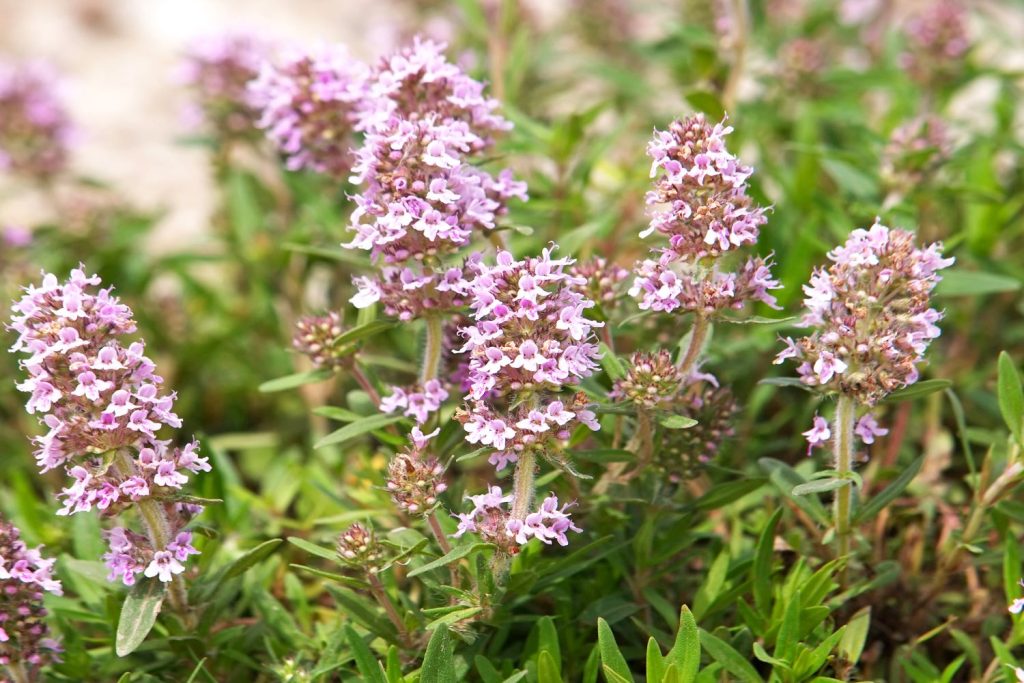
[[158, 530], [843, 442], [432, 351]]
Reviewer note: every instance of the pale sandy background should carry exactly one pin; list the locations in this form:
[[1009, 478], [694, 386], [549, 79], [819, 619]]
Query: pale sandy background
[[118, 59]]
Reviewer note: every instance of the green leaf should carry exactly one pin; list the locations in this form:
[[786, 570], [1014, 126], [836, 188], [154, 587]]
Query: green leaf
[[313, 548], [613, 664], [789, 631], [356, 429], [370, 329], [761, 568], [611, 363], [707, 102], [438, 661], [369, 667], [677, 422], [685, 652], [731, 660], [820, 486], [454, 555], [138, 614], [851, 645], [1011, 396], [928, 386], [890, 493], [713, 584], [958, 282], [297, 380], [655, 661], [252, 558], [850, 178], [547, 640], [547, 669], [724, 493], [454, 617], [786, 479]]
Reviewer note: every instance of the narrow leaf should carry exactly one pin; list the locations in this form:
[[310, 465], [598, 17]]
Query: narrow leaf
[[889, 493], [356, 429], [731, 660], [613, 663], [455, 555], [438, 661], [1011, 396], [685, 652], [297, 380], [252, 558], [820, 486]]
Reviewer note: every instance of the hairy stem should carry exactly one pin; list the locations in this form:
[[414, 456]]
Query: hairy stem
[[741, 21], [523, 485], [698, 333], [158, 530], [432, 351], [18, 673], [363, 381], [377, 589], [843, 442]]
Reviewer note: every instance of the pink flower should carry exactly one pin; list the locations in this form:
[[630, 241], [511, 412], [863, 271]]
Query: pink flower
[[867, 429], [817, 434]]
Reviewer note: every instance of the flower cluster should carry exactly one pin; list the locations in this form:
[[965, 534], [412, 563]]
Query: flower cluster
[[359, 549], [314, 337], [218, 70], [652, 378], [309, 106], [870, 310], [493, 522], [416, 402], [407, 294], [25, 575], [871, 318], [132, 554], [700, 203], [530, 338], [936, 41], [35, 130], [102, 406], [421, 200], [914, 151]]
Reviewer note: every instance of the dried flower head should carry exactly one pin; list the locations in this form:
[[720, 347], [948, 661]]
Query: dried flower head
[[217, 70], [870, 313], [682, 453], [309, 105], [936, 41], [415, 481], [25, 575], [35, 130], [314, 337], [602, 281], [914, 152], [359, 549], [652, 378]]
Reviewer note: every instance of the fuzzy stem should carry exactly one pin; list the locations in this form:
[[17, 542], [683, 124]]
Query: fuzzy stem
[[523, 485], [18, 673], [158, 530], [845, 413], [377, 589], [741, 22], [432, 351], [363, 381], [698, 333]]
